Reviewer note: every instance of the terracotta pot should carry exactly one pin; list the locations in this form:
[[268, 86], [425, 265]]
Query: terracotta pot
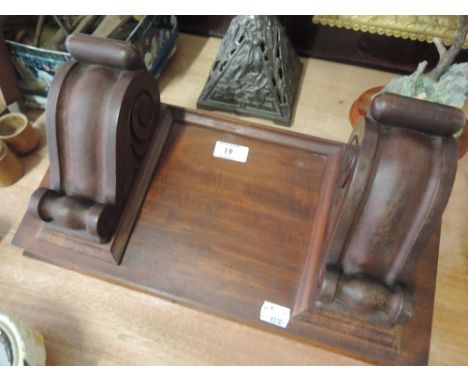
[[11, 169], [360, 106], [17, 132]]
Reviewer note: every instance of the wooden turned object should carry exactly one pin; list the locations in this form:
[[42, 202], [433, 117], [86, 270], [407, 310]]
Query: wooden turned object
[[11, 169], [343, 237], [17, 132], [102, 120], [8, 82], [396, 177], [360, 107]]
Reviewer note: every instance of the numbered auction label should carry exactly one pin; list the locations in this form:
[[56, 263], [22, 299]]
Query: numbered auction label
[[275, 314], [231, 151]]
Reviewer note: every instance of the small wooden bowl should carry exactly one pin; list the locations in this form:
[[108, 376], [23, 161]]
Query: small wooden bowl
[[360, 106], [17, 132], [11, 169]]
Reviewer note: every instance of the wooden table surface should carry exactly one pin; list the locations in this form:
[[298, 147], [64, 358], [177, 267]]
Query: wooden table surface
[[88, 321]]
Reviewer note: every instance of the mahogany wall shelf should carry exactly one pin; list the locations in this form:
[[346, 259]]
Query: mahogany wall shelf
[[345, 236]]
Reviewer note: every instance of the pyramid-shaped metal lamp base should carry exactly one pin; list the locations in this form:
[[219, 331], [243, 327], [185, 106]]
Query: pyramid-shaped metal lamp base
[[256, 71]]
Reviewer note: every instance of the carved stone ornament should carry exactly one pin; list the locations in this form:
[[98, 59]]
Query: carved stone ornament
[[256, 71]]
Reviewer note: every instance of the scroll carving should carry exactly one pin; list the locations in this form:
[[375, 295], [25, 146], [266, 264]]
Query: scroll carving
[[102, 113], [396, 178]]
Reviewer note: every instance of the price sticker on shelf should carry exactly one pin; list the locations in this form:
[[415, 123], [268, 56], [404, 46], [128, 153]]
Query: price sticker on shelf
[[275, 314], [231, 151]]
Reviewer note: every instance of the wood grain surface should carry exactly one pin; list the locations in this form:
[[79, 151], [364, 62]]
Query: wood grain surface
[[87, 321]]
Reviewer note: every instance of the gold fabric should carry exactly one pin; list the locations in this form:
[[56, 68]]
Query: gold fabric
[[421, 28]]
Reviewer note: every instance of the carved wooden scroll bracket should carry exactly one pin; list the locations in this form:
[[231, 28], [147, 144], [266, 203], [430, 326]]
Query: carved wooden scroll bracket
[[103, 118], [397, 172]]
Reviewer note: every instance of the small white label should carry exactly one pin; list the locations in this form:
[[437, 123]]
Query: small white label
[[231, 151], [275, 314]]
